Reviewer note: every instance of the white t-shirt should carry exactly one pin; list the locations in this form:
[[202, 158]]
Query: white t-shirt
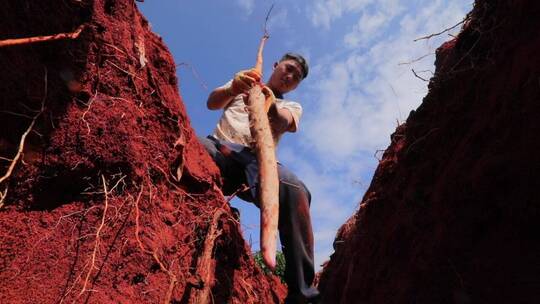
[[233, 126]]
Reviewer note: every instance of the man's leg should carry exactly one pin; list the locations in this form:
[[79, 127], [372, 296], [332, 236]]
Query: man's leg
[[231, 171], [294, 219], [296, 237]]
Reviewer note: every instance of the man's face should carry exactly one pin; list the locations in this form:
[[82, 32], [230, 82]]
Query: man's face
[[286, 76]]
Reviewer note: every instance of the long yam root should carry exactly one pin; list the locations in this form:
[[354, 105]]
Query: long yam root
[[266, 157], [268, 175]]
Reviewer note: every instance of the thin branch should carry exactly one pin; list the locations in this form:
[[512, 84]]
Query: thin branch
[[265, 28], [17, 41], [441, 32]]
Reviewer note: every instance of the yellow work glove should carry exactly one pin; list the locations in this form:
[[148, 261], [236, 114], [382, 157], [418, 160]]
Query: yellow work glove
[[269, 98], [243, 81]]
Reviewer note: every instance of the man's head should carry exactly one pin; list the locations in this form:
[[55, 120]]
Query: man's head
[[288, 72]]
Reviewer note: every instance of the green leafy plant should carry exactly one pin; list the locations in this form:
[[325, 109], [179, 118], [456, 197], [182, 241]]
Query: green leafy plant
[[280, 264]]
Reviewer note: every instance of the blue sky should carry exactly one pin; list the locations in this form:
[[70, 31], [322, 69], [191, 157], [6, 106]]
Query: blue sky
[[359, 87]]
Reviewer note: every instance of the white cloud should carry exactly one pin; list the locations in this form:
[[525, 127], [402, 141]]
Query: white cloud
[[355, 96], [373, 20], [246, 5], [360, 96], [367, 28], [324, 12]]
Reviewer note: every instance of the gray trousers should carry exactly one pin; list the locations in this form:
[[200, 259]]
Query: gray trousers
[[238, 166]]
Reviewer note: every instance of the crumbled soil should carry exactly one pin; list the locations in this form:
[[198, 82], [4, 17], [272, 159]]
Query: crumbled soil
[[450, 214], [113, 197]]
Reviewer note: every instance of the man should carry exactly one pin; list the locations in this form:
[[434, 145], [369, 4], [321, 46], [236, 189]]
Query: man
[[230, 147]]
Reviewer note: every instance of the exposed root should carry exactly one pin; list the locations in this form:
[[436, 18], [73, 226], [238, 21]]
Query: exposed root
[[3, 196], [240, 189], [71, 288], [416, 60], [121, 51], [23, 138], [96, 244], [90, 264], [139, 46], [20, 150], [123, 70], [73, 35], [179, 146], [377, 153], [248, 289], [168, 179], [420, 139], [137, 214], [172, 277], [416, 75], [90, 102], [206, 265], [194, 73]]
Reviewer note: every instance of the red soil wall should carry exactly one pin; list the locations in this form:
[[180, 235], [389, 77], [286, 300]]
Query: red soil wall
[[112, 112], [452, 213]]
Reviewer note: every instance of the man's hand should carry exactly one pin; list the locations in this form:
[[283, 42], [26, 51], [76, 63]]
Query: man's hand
[[269, 98], [243, 81], [281, 120]]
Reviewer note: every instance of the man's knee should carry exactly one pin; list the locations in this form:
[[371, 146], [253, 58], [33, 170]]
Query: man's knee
[[290, 180], [209, 145]]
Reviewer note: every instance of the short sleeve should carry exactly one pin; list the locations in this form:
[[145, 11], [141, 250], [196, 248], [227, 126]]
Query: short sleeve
[[296, 111]]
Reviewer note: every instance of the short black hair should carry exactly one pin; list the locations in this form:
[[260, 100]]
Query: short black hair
[[298, 58]]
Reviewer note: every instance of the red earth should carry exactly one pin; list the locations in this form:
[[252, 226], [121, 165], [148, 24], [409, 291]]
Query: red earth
[[113, 198], [451, 212]]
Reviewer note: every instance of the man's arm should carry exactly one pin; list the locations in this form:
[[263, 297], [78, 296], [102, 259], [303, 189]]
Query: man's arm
[[281, 119], [242, 82], [219, 98]]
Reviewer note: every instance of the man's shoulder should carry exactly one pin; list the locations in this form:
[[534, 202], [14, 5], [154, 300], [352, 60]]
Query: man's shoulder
[[287, 103]]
